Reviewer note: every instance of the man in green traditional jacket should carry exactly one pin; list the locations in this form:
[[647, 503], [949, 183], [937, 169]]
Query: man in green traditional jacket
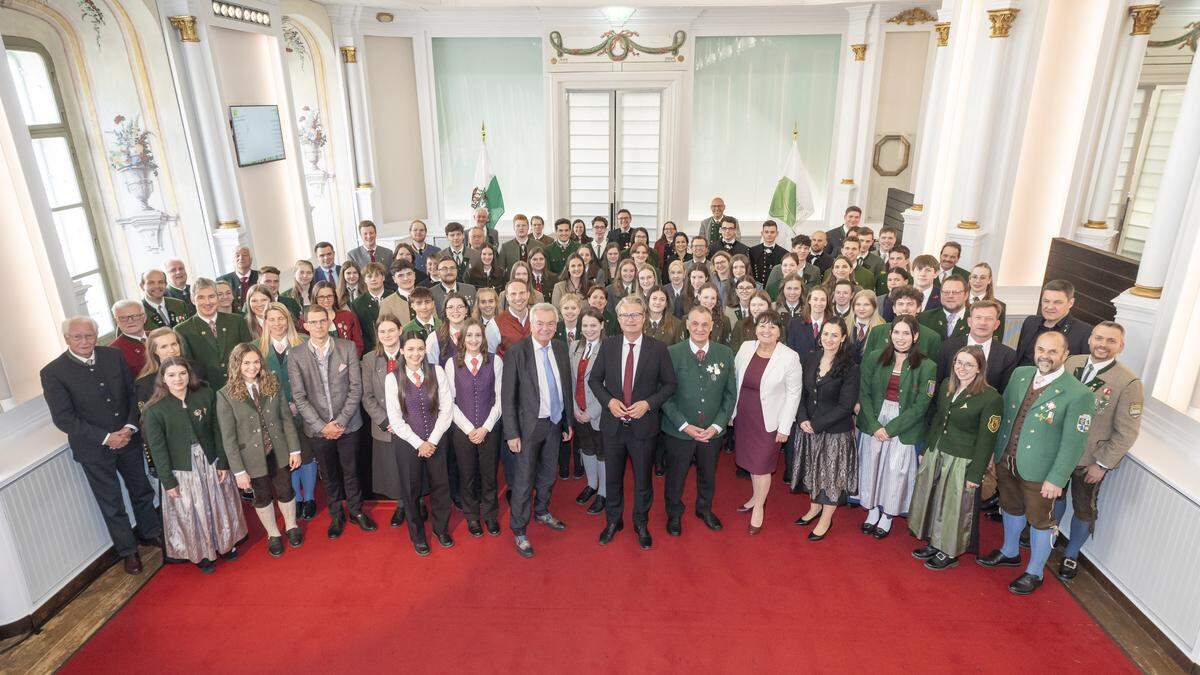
[[366, 306], [560, 248], [954, 306], [209, 335], [905, 300], [695, 417], [1047, 416]]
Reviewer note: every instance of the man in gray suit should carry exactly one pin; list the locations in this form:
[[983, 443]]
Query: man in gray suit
[[448, 273], [327, 387], [520, 246], [536, 398], [368, 253]]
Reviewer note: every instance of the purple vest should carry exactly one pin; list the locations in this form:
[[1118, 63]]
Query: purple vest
[[475, 394], [417, 415], [446, 351]]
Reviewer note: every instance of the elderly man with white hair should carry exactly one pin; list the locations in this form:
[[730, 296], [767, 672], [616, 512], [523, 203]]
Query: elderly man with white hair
[[89, 392], [130, 316], [481, 216]]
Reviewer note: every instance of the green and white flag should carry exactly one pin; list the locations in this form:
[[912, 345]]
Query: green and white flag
[[486, 192], [793, 200]]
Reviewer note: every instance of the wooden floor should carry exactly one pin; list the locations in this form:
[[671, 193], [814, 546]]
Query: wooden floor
[[66, 632], [83, 616]]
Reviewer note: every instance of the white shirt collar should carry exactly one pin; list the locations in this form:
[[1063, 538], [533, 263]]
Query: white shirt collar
[[695, 347], [1097, 366], [86, 361], [972, 343], [1040, 380]]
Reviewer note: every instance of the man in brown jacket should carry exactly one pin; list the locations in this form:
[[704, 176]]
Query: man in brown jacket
[[1115, 427]]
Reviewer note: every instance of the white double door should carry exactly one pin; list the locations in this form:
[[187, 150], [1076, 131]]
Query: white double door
[[615, 157]]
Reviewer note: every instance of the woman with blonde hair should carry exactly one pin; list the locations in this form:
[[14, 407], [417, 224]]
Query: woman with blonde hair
[[980, 287], [487, 305], [261, 443], [161, 343], [278, 339], [864, 315], [521, 271]]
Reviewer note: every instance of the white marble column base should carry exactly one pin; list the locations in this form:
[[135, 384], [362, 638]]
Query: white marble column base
[[972, 244], [225, 242], [1137, 315], [1099, 238]]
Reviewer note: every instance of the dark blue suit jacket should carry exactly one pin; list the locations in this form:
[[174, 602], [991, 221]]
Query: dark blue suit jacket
[[800, 337]]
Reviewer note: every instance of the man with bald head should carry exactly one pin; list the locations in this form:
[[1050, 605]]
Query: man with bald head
[[1045, 423], [242, 277], [177, 283], [710, 227], [89, 392], [161, 310]]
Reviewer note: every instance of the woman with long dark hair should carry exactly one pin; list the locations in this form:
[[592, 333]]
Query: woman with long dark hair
[[261, 443], [350, 284], [202, 514], [895, 389], [474, 376], [487, 273], [664, 243], [825, 460], [957, 449], [419, 406], [344, 322], [377, 366]]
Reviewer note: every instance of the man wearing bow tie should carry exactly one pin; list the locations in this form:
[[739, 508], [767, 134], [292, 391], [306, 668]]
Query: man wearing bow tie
[[765, 255], [728, 241]]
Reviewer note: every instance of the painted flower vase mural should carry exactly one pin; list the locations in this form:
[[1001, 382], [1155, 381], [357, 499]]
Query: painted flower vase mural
[[133, 158], [312, 135]]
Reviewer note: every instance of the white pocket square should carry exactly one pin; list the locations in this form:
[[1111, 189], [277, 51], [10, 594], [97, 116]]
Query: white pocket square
[[341, 367]]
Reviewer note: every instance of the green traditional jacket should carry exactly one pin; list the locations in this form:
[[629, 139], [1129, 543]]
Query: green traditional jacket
[[917, 388], [1052, 439], [966, 427], [290, 302], [862, 276], [417, 327], [170, 426], [241, 427], [707, 391], [177, 310], [935, 319], [366, 308], [556, 255], [928, 341], [211, 352]]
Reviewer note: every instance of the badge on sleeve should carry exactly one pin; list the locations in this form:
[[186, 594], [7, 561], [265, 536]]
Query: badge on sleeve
[[1135, 410], [1085, 424], [994, 423], [932, 389]]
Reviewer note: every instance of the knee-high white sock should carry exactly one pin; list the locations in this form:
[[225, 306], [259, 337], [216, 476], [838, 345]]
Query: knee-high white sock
[[289, 514], [873, 515], [266, 514]]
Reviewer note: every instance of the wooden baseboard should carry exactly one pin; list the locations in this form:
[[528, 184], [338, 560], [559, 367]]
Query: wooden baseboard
[[32, 623]]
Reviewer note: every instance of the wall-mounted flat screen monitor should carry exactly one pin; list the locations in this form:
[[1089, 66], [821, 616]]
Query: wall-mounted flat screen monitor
[[257, 134]]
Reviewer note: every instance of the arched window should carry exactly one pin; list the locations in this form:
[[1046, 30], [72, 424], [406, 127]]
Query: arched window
[[42, 106]]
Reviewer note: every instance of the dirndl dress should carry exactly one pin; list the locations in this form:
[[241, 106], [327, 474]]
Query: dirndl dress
[[887, 470], [206, 519]]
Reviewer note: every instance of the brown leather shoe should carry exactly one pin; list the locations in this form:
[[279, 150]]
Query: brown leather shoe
[[133, 564]]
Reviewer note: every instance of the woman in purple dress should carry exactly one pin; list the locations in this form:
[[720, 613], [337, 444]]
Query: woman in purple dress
[[769, 384]]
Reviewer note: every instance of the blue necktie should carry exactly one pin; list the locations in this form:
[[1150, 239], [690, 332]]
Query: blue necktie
[[556, 404]]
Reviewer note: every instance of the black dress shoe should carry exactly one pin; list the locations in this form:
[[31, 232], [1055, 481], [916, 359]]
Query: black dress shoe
[[564, 473], [880, 533], [445, 539], [295, 537], [710, 520], [275, 546], [998, 559], [474, 529], [813, 536], [133, 564], [673, 527], [1025, 584], [551, 522], [867, 528], [207, 566], [587, 493], [610, 530], [421, 547], [1068, 569], [364, 521], [336, 525], [804, 521], [925, 552], [310, 510], [230, 555], [643, 536], [493, 528], [597, 506], [940, 561], [397, 517]]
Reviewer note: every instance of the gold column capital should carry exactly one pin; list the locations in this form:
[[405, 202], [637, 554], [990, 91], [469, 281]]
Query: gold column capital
[[943, 33], [1143, 18], [860, 52], [186, 25], [1095, 224], [1002, 20], [969, 225], [228, 224], [917, 207], [1146, 291], [847, 181], [349, 54]]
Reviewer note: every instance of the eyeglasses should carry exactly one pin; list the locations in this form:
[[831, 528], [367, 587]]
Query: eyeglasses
[[131, 317], [630, 315]]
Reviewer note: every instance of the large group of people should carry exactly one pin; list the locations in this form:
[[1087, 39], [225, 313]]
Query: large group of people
[[841, 365]]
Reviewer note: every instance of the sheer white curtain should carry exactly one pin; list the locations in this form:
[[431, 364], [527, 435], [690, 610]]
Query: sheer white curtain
[[497, 82], [747, 95]]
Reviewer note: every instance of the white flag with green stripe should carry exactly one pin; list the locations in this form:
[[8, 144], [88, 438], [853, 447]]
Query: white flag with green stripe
[[793, 199], [486, 192]]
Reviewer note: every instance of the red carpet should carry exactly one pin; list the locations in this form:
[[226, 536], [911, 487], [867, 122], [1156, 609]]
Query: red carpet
[[705, 602]]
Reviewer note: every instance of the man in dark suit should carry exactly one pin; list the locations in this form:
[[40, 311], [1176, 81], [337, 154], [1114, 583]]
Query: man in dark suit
[[728, 240], [623, 234], [89, 392], [632, 378], [326, 269], [242, 277], [177, 283], [369, 252], [448, 283], [766, 254], [208, 337], [161, 310], [268, 276], [462, 255], [1058, 297], [983, 318], [850, 219], [536, 398]]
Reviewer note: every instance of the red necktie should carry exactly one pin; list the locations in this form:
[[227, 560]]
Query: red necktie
[[391, 366], [580, 398], [816, 330], [474, 365], [245, 286], [862, 332], [417, 379], [627, 388], [700, 355], [372, 254]]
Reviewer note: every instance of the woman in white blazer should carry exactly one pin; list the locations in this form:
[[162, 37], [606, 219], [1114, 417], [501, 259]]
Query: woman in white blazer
[[769, 384]]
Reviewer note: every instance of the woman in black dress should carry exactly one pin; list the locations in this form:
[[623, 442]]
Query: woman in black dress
[[826, 461]]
